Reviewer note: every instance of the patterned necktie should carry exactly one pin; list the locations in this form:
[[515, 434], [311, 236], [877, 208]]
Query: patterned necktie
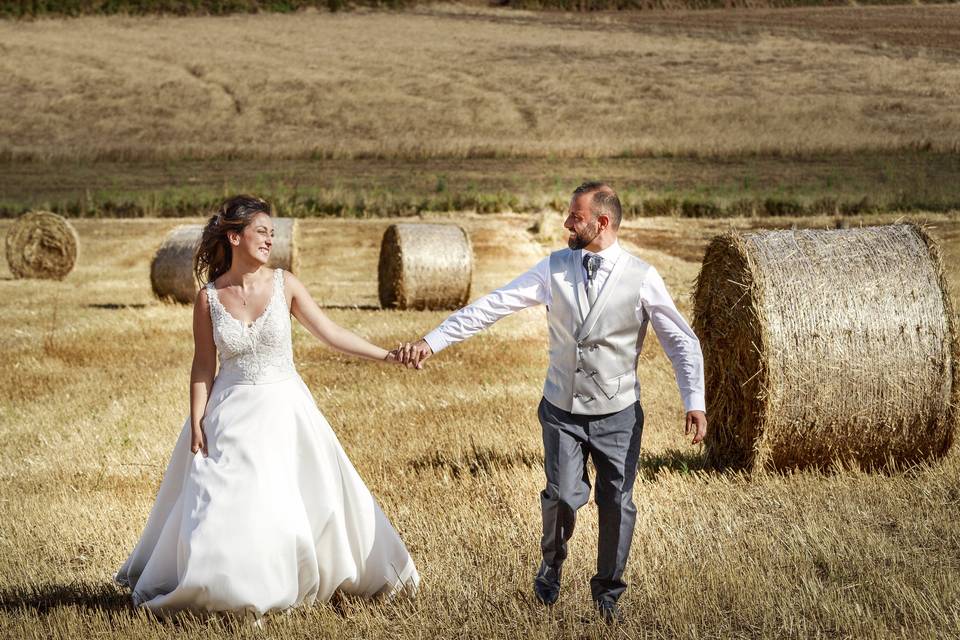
[[591, 262]]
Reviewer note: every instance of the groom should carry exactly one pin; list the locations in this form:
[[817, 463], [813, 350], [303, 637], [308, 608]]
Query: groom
[[599, 301]]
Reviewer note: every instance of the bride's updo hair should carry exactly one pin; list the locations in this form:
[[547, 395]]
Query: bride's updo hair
[[214, 253]]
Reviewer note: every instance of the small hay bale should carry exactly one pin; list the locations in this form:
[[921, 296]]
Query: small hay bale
[[548, 227], [41, 244], [171, 271], [425, 266], [826, 346]]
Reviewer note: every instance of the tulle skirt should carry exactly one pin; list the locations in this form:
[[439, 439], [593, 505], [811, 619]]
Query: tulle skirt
[[274, 517]]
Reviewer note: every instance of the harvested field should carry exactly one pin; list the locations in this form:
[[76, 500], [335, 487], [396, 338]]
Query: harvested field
[[96, 389], [932, 29], [459, 82]]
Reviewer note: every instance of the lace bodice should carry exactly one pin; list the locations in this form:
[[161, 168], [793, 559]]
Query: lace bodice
[[257, 353]]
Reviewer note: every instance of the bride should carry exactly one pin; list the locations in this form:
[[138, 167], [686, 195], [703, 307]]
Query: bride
[[259, 508]]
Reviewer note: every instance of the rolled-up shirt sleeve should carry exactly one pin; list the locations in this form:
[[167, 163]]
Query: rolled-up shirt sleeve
[[526, 290], [677, 339]]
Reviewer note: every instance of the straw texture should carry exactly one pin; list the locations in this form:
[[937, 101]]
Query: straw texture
[[826, 347], [425, 266], [42, 245], [547, 227], [171, 272]]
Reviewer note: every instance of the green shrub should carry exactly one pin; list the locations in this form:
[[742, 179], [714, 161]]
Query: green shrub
[[660, 207], [824, 206], [861, 206], [700, 209], [744, 208], [781, 207]]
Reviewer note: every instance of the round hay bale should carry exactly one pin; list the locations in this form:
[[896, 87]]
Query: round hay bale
[[826, 346], [547, 227], [41, 244], [171, 271], [425, 266]]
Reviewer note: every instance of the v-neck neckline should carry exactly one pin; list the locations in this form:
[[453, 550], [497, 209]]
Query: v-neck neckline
[[273, 294]]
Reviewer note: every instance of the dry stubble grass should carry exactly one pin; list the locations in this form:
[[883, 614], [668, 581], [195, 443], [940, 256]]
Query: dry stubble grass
[[95, 389], [457, 82]]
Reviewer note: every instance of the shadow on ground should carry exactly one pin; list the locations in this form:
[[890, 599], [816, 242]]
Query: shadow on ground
[[116, 305], [483, 460], [42, 598], [651, 465]]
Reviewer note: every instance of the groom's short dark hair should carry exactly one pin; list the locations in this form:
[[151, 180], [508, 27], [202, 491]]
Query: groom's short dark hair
[[604, 201]]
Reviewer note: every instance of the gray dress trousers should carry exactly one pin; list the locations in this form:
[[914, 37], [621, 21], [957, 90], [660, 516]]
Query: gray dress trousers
[[613, 442]]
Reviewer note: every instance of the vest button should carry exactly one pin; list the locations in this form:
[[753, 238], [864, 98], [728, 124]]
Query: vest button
[[579, 370]]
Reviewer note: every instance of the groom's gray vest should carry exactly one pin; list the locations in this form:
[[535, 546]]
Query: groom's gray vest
[[594, 351]]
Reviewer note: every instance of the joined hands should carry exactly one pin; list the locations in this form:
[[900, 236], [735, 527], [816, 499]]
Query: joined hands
[[410, 354], [413, 354]]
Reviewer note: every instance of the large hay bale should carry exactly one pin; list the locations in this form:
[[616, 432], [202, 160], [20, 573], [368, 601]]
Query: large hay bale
[[41, 244], [425, 266], [171, 271], [825, 347]]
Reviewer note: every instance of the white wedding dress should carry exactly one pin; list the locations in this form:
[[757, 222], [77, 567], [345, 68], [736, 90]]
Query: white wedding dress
[[275, 516]]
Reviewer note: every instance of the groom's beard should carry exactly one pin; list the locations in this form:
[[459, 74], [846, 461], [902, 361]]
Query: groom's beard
[[582, 238]]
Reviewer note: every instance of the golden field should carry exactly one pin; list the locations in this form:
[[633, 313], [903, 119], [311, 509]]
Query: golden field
[[94, 391], [461, 82]]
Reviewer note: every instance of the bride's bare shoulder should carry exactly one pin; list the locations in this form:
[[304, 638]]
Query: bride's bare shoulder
[[202, 301], [291, 281]]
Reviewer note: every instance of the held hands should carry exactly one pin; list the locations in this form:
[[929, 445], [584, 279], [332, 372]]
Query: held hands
[[411, 354], [697, 425]]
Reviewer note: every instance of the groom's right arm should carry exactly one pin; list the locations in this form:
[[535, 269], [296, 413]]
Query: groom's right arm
[[526, 290]]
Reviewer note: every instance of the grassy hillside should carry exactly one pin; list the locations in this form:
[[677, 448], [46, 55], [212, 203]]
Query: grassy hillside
[[36, 8], [460, 83]]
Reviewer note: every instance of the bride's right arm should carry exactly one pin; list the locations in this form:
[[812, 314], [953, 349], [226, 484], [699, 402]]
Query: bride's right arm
[[203, 370], [305, 309]]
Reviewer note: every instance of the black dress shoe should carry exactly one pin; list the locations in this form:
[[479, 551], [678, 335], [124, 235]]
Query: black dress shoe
[[610, 612], [546, 586]]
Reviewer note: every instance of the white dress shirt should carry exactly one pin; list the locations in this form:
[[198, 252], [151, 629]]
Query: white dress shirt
[[533, 287]]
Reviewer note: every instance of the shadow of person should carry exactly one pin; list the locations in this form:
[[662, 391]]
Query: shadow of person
[[116, 305], [352, 307], [111, 600], [672, 460], [42, 598]]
